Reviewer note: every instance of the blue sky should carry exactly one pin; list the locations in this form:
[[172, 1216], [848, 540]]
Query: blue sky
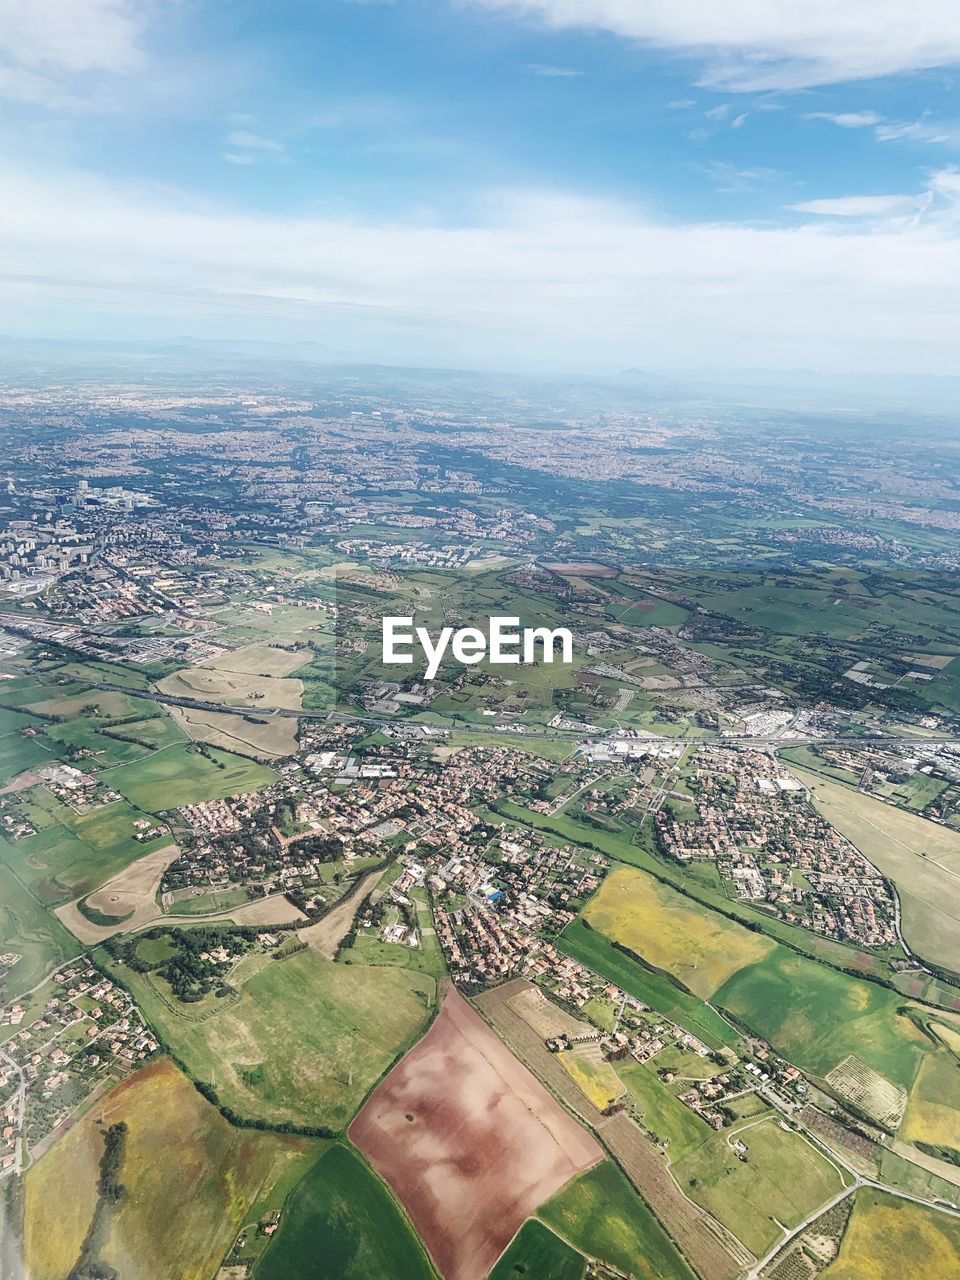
[[542, 183]]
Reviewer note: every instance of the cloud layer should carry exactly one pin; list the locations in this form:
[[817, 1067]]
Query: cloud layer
[[559, 278], [772, 44]]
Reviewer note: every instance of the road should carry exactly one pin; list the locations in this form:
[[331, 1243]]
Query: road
[[722, 740], [21, 1103]]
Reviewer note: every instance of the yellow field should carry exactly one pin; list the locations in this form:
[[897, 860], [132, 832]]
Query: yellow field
[[595, 1077], [190, 1179], [671, 932], [262, 659], [932, 1112], [236, 688], [275, 738], [60, 1195], [950, 1035], [889, 1239]]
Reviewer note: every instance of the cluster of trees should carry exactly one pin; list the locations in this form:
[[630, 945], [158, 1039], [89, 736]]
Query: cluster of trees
[[110, 1192]]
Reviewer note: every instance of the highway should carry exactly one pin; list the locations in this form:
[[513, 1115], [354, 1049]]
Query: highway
[[562, 735]]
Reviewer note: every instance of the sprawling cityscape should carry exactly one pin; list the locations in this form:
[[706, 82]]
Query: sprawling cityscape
[[677, 916]]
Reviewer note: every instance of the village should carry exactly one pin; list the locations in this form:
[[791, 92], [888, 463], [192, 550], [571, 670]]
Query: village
[[69, 1040]]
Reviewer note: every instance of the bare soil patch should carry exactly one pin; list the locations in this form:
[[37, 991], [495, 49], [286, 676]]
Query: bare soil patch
[[326, 935], [265, 737], [131, 896], [469, 1140]]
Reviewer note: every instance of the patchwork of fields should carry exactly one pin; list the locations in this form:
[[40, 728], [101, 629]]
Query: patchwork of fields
[[303, 1041], [469, 1141], [190, 1179]]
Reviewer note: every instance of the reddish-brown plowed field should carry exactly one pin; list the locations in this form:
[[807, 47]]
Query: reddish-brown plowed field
[[469, 1140]]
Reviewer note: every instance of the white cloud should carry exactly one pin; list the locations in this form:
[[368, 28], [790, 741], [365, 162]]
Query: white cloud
[[253, 141], [771, 44], [533, 276], [862, 206], [553, 73], [846, 119], [46, 45]]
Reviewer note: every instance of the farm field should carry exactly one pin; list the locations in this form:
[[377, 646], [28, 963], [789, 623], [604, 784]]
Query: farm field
[[180, 775], [783, 1179], [817, 1016], [672, 932], [933, 1113], [598, 952], [256, 734], [537, 1252], [72, 854], [189, 1175], [662, 1111], [600, 1213], [302, 1042], [341, 1222], [922, 858], [545, 1017], [263, 658], [126, 901], [595, 1076], [31, 932], [890, 1239], [460, 1101], [216, 683]]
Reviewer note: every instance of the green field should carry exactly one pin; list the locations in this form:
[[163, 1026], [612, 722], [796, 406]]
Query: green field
[[179, 775], [536, 1252], [28, 930], [342, 1223], [815, 1016], [72, 854], [598, 953], [600, 1213], [303, 1041], [663, 1114], [781, 1180]]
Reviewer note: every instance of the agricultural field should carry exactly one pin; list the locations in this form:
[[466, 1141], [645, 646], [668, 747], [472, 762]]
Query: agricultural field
[[890, 1239], [234, 688], [672, 933], [596, 1077], [933, 1113], [127, 901], [598, 952], [302, 1042], [781, 1179], [547, 1019], [460, 1101], [190, 1178], [255, 734], [661, 1111], [817, 1016], [342, 1222], [870, 1092], [72, 854], [921, 857], [537, 1252], [180, 775], [32, 933], [601, 1214]]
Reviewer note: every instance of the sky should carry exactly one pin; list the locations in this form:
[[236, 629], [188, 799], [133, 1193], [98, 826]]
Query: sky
[[542, 184]]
